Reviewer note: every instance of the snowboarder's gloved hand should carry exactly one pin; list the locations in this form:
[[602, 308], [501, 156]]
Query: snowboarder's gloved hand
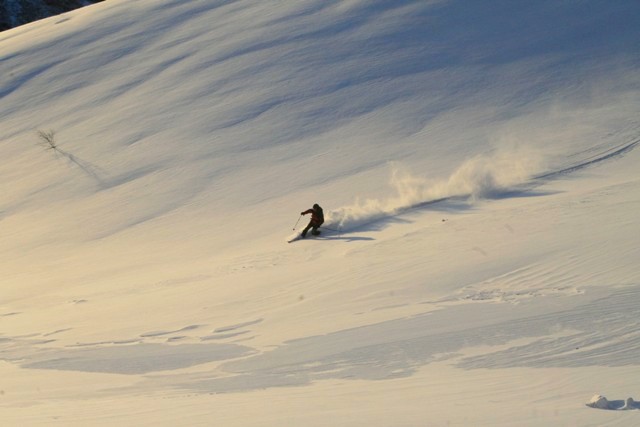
[[302, 213]]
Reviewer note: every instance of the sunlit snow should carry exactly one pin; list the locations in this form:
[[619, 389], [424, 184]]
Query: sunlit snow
[[477, 163]]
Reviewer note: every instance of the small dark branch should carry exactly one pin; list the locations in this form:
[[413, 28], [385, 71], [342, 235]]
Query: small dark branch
[[47, 139]]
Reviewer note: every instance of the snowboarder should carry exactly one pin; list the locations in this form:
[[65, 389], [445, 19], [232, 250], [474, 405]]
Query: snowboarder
[[317, 218]]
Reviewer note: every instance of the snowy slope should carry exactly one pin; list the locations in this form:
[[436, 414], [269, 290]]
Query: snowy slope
[[479, 160]]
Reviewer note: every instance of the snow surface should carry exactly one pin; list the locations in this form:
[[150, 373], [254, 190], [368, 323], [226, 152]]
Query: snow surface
[[480, 160]]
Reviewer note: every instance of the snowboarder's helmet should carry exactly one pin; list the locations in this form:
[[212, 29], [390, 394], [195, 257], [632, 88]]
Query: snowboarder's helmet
[[316, 206]]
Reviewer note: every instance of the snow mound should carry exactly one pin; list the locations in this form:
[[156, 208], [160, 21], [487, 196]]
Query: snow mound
[[630, 404], [601, 402]]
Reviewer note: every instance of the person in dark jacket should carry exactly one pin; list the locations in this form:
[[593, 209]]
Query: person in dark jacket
[[317, 219]]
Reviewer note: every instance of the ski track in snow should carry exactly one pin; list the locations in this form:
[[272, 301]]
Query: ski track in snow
[[416, 193], [610, 154]]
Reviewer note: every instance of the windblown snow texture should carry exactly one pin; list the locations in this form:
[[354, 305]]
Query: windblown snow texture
[[478, 159]]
